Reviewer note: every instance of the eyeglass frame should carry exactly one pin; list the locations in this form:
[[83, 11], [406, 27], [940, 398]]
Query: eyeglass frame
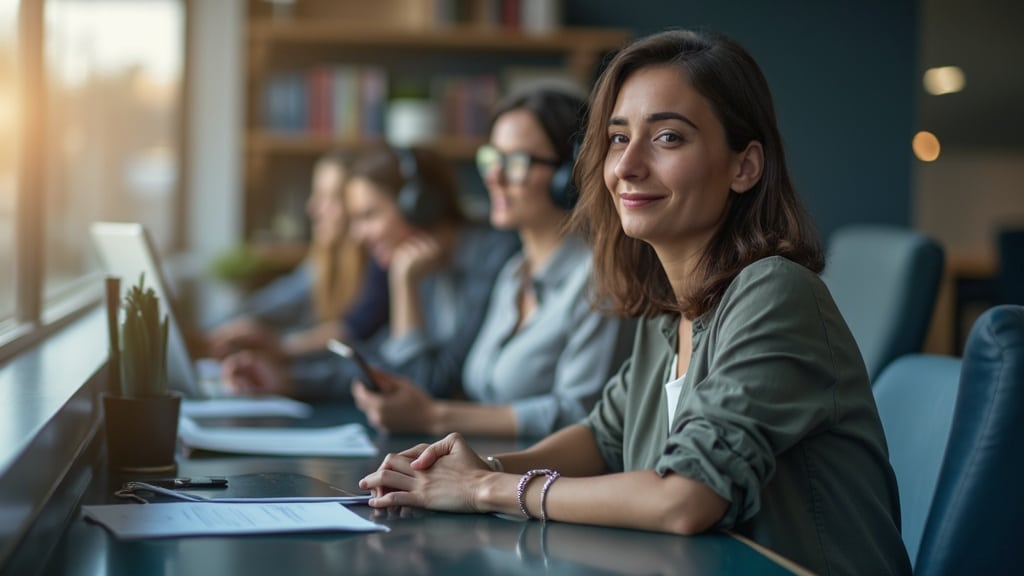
[[503, 160]]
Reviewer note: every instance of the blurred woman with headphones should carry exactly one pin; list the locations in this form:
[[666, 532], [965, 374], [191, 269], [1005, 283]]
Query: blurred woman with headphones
[[404, 210], [543, 353]]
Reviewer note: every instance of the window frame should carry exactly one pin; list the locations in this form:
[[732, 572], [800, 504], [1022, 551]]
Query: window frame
[[34, 317]]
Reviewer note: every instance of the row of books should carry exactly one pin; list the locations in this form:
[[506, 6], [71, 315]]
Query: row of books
[[351, 102], [527, 15], [341, 101]]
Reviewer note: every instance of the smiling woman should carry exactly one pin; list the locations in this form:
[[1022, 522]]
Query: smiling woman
[[745, 404]]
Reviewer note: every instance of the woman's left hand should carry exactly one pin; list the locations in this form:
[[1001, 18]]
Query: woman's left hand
[[450, 482], [414, 258], [400, 406]]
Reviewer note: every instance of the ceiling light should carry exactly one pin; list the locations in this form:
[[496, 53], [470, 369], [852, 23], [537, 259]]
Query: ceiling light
[[926, 146], [944, 80]]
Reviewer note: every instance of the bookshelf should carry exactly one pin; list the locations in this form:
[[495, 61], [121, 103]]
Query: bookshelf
[[322, 77]]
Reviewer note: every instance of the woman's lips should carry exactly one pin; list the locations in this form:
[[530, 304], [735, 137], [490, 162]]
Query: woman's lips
[[637, 200]]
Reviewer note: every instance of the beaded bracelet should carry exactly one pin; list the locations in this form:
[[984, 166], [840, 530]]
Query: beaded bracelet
[[554, 475], [521, 488]]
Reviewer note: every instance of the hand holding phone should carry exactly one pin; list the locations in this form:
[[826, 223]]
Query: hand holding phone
[[346, 351]]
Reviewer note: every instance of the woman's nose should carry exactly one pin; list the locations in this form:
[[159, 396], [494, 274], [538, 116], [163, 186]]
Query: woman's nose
[[631, 162]]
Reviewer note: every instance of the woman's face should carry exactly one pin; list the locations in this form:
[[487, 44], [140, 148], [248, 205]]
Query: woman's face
[[668, 166], [375, 220], [325, 207], [522, 201]]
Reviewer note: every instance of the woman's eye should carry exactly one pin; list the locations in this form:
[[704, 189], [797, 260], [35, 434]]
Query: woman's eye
[[618, 139], [669, 137]]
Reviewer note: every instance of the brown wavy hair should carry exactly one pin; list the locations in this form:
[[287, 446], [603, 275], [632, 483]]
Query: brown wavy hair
[[767, 220]]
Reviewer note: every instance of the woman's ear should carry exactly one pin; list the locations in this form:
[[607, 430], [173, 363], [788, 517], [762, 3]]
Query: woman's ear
[[749, 167]]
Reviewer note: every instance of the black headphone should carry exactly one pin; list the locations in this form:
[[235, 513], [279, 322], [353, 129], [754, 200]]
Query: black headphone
[[414, 201], [563, 190]]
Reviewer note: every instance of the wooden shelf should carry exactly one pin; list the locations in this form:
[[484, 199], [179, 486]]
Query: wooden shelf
[[462, 37], [283, 52], [263, 143]]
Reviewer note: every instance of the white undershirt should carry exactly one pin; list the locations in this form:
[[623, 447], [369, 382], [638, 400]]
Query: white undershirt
[[673, 388]]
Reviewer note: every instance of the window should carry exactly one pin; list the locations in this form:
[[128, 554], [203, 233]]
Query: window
[[98, 137], [8, 153], [115, 77]]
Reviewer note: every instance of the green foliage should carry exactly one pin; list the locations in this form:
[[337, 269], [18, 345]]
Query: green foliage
[[240, 265], [143, 344]]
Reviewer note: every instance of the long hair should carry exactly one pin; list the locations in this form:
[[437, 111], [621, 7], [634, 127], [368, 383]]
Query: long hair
[[767, 220], [337, 267]]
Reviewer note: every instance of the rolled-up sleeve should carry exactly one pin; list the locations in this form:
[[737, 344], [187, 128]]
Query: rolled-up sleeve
[[769, 383], [607, 420]]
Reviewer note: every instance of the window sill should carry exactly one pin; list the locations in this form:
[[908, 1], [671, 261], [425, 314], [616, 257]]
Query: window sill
[[48, 416]]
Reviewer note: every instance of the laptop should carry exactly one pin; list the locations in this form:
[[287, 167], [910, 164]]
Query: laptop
[[126, 250]]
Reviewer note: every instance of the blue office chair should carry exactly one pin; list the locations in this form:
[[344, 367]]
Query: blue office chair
[[884, 280], [916, 395], [975, 522], [955, 446]]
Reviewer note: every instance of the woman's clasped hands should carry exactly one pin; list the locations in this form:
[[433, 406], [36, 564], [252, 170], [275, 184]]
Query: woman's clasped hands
[[446, 475]]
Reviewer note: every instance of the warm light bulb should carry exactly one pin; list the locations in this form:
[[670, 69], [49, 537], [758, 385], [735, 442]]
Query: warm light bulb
[[926, 146], [944, 80]]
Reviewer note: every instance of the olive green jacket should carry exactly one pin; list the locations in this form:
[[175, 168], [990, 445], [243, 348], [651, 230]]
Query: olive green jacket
[[776, 416]]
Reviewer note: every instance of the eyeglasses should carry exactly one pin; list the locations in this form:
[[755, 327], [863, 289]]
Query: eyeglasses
[[514, 165]]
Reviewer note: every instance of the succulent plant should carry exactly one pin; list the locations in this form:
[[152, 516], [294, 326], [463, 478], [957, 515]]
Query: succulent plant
[[143, 344]]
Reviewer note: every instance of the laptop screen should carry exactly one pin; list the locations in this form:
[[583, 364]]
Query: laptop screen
[[126, 251]]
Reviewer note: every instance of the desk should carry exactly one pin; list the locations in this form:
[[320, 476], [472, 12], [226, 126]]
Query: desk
[[420, 542]]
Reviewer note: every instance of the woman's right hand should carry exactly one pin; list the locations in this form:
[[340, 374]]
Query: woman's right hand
[[243, 334], [246, 373], [446, 475]]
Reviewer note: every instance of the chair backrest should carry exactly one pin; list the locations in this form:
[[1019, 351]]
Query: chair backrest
[[884, 280], [975, 522], [916, 395]]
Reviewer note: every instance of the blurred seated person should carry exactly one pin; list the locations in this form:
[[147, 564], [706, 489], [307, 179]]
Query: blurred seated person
[[336, 293], [543, 354], [404, 210]]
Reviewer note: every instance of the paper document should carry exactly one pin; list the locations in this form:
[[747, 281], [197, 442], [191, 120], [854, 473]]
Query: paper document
[[241, 407], [346, 440], [132, 521]]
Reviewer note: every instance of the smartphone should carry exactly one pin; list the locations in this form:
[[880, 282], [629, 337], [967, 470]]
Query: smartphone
[[185, 483], [346, 351]]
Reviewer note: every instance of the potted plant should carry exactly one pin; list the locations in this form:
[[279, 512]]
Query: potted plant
[[141, 414]]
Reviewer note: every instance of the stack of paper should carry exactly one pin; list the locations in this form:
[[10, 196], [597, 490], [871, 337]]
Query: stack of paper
[[346, 440], [131, 521], [246, 407]]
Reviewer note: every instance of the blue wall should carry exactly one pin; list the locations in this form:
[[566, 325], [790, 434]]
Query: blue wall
[[843, 75]]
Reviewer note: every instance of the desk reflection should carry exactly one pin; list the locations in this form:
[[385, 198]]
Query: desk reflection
[[421, 544]]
